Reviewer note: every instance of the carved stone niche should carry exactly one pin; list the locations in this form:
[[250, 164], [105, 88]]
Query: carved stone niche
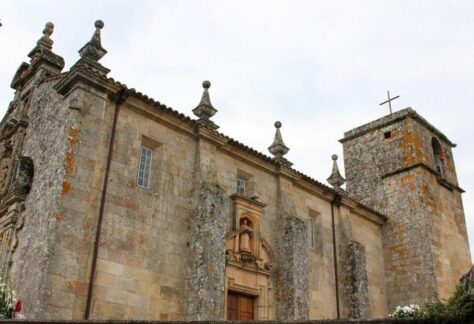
[[249, 256]]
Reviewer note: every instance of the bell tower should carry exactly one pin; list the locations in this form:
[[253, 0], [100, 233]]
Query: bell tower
[[403, 166]]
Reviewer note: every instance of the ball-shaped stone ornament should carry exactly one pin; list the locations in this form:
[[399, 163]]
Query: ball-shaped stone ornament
[[277, 124], [48, 28], [99, 24], [334, 157], [206, 84]]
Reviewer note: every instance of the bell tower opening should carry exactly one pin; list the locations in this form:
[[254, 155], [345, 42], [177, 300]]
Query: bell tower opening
[[437, 156]]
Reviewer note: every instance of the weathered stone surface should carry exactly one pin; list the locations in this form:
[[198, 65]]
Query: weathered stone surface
[[292, 272], [390, 166], [376, 321], [204, 297], [45, 143], [357, 285], [162, 248], [467, 281]]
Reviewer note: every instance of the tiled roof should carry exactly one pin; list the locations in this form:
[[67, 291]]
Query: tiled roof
[[236, 143]]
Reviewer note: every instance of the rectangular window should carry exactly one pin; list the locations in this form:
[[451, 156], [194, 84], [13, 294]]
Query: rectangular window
[[315, 233], [144, 168], [241, 186], [312, 232]]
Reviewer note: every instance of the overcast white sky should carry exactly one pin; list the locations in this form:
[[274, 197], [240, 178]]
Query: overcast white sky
[[321, 67]]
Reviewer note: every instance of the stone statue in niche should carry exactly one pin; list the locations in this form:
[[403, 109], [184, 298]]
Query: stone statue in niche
[[245, 233], [5, 163], [24, 175]]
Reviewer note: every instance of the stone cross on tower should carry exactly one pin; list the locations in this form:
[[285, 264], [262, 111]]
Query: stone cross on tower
[[389, 101]]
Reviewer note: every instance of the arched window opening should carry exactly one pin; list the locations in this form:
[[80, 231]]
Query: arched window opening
[[437, 156]]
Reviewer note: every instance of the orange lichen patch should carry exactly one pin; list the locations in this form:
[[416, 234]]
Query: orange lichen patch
[[79, 288], [413, 145], [400, 251], [66, 187], [428, 197], [59, 218], [398, 229], [408, 180], [72, 140]]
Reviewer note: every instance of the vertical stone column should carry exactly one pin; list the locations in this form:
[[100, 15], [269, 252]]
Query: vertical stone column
[[352, 272], [204, 289], [358, 284], [292, 255]]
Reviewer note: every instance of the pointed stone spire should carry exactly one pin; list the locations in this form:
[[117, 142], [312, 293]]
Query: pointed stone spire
[[204, 109], [278, 148], [93, 50], [335, 179], [87, 69]]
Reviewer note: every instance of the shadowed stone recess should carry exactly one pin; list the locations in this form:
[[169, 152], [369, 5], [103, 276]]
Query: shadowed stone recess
[[204, 297]]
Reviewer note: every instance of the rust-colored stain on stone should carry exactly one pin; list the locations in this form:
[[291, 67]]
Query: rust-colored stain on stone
[[77, 287], [72, 140], [413, 145], [66, 187], [408, 180], [400, 250], [59, 218]]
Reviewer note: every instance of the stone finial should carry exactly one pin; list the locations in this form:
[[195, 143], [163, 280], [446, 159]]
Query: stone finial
[[45, 41], [44, 45], [93, 50], [204, 109], [335, 179], [278, 147], [43, 61]]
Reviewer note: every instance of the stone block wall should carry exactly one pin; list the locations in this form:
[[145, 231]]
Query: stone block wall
[[389, 164], [151, 261], [46, 143]]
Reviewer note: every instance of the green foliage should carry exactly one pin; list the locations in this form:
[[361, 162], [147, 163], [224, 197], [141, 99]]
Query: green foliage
[[7, 299], [459, 307]]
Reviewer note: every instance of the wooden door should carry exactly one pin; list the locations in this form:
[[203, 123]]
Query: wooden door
[[239, 307]]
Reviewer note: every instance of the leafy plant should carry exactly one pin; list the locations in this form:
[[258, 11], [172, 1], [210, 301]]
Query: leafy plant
[[459, 307], [7, 299]]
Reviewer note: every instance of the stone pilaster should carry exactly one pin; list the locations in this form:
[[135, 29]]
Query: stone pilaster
[[292, 255], [352, 271], [204, 295], [357, 283], [205, 271]]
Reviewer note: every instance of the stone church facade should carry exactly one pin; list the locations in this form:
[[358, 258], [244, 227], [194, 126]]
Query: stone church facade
[[114, 206]]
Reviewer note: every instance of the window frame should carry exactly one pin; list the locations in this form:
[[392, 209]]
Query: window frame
[[312, 232], [144, 168], [241, 180]]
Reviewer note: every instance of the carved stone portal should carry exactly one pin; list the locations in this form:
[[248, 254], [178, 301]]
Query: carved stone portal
[[249, 257]]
